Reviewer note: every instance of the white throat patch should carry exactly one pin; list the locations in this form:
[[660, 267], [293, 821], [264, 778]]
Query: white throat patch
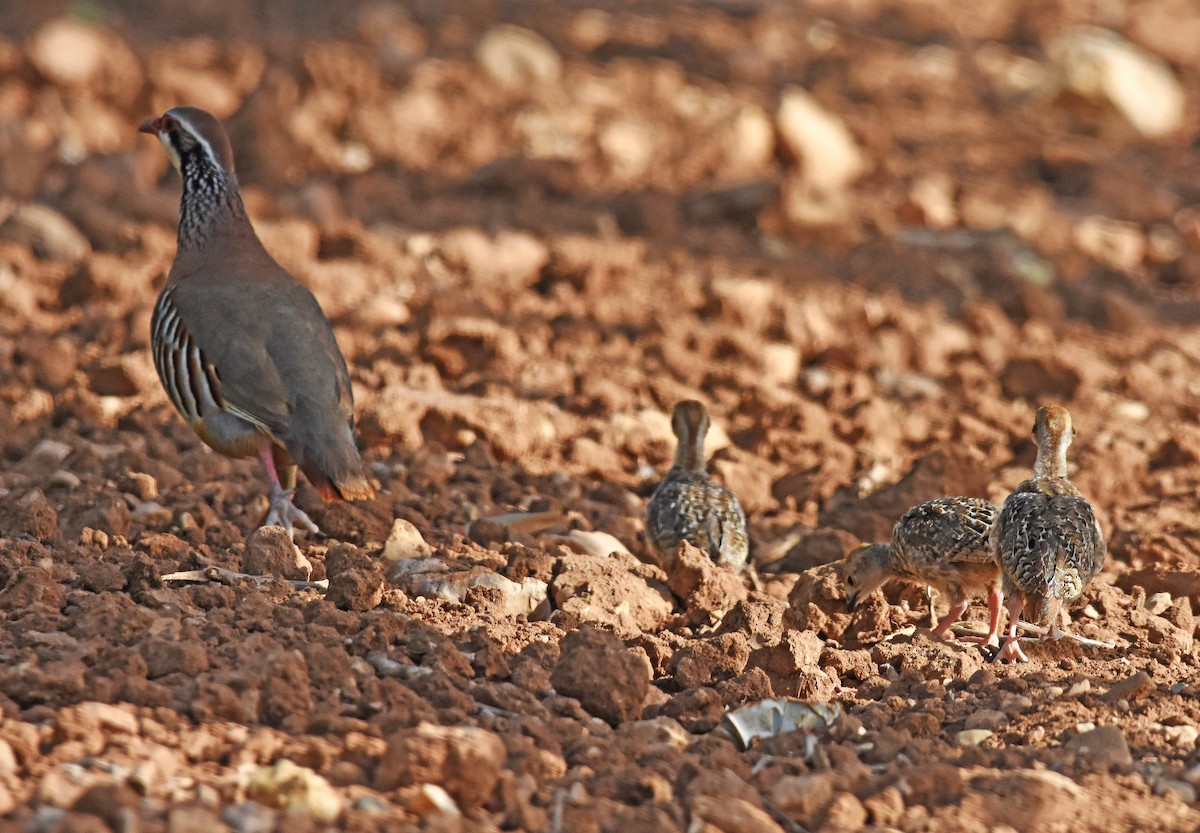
[[172, 154]]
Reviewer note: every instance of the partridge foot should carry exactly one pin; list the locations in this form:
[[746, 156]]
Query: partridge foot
[[1010, 651], [284, 513]]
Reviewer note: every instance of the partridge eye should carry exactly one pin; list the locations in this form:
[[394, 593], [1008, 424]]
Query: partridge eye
[[169, 123]]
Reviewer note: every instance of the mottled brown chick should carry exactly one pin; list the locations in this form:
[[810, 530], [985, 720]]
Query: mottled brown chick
[[1046, 539], [942, 544], [688, 506]]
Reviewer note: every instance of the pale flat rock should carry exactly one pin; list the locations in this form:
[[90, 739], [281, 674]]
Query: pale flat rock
[[1101, 65], [831, 156], [286, 786], [590, 542], [516, 57], [405, 541]]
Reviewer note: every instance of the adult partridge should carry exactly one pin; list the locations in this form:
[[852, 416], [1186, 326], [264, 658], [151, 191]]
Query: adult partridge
[[942, 544], [243, 350], [1046, 539], [688, 506]]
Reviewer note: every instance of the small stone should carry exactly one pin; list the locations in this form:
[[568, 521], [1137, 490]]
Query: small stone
[[1159, 603], [704, 586], [30, 515], [269, 551], [781, 363], [63, 479], [932, 198], [1080, 688], [286, 786], [1132, 410], [1100, 64], [145, 485], [828, 151], [515, 57], [151, 513], [8, 759], [250, 817], [430, 798], [1103, 747], [1131, 688], [1184, 791], [1114, 242], [405, 541], [802, 795], [114, 803], [67, 52], [44, 455], [972, 737], [987, 719], [168, 656], [1184, 736]]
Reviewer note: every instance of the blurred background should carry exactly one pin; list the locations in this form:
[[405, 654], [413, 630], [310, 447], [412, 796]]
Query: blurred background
[[1042, 145]]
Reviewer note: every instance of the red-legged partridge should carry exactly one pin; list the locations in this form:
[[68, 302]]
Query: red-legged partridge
[[243, 349]]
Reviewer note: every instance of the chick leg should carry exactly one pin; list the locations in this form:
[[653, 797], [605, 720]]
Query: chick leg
[[1011, 649], [955, 613]]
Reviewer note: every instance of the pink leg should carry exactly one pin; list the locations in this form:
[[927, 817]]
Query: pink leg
[[281, 511], [957, 609], [1011, 649], [995, 602], [1055, 631], [992, 639]]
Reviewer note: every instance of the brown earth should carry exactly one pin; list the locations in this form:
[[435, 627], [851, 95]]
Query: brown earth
[[531, 248]]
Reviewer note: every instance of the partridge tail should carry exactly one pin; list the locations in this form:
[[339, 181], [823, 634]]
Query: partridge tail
[[335, 468], [348, 486]]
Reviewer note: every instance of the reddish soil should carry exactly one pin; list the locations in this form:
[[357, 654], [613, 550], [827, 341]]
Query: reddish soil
[[525, 277]]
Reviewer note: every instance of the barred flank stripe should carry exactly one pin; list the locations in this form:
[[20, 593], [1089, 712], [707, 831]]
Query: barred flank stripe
[[191, 381]]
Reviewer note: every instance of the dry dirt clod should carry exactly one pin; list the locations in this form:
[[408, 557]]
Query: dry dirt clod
[[1137, 685], [465, 762], [270, 552], [605, 677]]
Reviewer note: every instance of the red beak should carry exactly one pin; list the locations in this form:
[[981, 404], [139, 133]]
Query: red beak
[[150, 126]]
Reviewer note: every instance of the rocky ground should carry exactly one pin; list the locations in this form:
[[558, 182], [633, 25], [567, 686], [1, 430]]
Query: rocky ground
[[871, 236]]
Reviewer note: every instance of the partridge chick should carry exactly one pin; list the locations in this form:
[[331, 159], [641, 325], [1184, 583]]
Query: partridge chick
[[688, 506], [1046, 539], [243, 350], [942, 544]]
